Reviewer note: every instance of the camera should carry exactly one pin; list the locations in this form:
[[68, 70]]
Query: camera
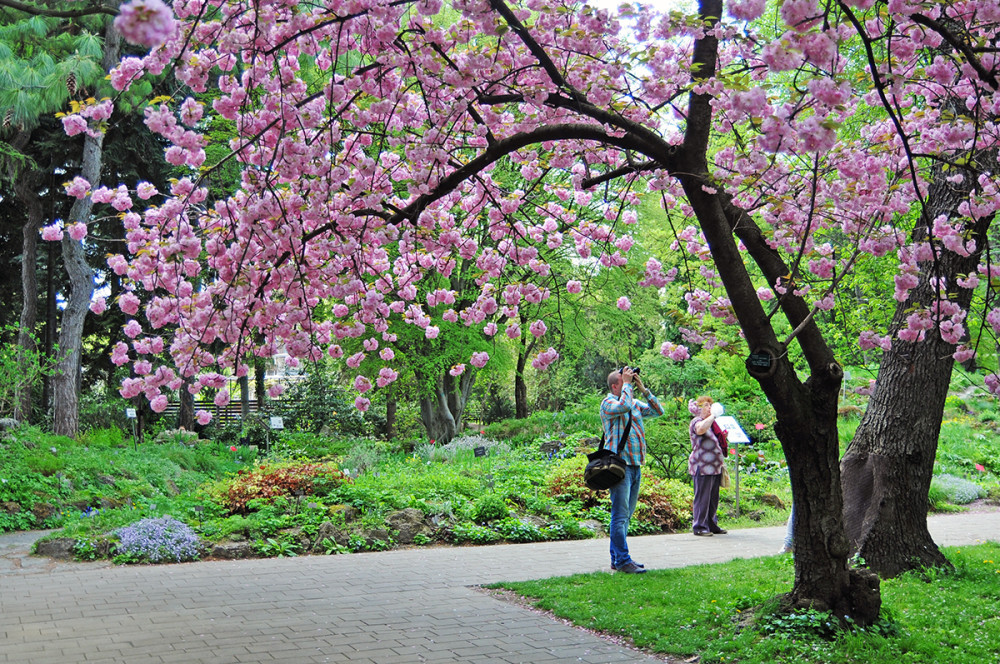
[[635, 370]]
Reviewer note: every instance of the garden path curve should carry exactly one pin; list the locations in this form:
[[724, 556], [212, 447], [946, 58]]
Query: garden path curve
[[414, 605]]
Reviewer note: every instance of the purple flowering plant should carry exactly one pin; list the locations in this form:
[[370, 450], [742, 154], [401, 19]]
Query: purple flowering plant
[[164, 539]]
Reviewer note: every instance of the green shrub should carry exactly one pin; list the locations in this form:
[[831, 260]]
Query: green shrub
[[513, 529], [488, 508], [470, 533]]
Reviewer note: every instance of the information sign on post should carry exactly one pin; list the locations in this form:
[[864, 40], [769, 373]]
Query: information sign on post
[[277, 422], [131, 415], [736, 436]]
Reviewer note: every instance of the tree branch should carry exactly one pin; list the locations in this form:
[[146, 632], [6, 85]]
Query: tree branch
[[55, 13]]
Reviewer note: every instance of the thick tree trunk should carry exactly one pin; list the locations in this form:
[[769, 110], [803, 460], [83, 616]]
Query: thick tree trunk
[[441, 412], [185, 411], [26, 185], [888, 467], [66, 381], [520, 385]]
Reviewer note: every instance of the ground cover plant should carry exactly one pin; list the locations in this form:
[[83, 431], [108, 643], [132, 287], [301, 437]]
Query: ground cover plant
[[726, 613]]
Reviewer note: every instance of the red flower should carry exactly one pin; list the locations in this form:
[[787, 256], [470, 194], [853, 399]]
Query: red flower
[[980, 467], [232, 448], [432, 441], [759, 426]]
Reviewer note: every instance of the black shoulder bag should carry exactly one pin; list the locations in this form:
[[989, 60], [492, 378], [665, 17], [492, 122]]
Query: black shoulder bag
[[606, 468]]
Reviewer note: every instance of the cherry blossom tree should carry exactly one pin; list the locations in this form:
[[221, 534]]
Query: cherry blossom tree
[[358, 183]]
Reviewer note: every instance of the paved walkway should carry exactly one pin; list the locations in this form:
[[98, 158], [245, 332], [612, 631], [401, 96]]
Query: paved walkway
[[415, 605]]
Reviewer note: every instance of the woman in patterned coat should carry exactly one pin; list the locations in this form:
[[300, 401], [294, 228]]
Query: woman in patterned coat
[[705, 464]]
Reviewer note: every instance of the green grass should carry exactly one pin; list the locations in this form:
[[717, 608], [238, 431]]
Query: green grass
[[928, 617]]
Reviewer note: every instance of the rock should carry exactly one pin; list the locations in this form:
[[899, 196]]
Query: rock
[[8, 424], [409, 523], [594, 526], [10, 507], [550, 447], [43, 511], [328, 531], [60, 548], [232, 550], [771, 500], [106, 479], [300, 537]]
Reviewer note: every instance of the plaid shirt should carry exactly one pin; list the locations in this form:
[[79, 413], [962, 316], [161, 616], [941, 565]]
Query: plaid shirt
[[614, 417]]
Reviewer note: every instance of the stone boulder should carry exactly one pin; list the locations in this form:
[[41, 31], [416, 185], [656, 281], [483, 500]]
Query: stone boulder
[[771, 500], [231, 550], [409, 523], [60, 548]]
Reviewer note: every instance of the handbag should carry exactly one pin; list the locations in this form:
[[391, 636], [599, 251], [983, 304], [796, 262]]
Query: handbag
[[604, 467], [725, 482]]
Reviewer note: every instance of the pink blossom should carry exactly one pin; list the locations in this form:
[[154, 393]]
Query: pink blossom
[[362, 384], [77, 187], [119, 354], [222, 398], [963, 354], [52, 233], [573, 286], [362, 404], [98, 305], [746, 10], [387, 354], [158, 403], [457, 370], [513, 330], [538, 328], [335, 351], [432, 332], [354, 361], [545, 359], [145, 22], [132, 329], [624, 303], [145, 191], [479, 359], [490, 329], [275, 391], [674, 351], [129, 303], [77, 231], [74, 124], [386, 376], [203, 417]]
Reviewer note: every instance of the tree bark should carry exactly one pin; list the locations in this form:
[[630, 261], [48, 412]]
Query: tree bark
[[887, 469], [185, 411], [26, 184], [520, 385], [66, 380], [441, 412]]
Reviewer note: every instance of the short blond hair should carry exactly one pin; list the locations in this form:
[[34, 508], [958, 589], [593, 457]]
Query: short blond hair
[[613, 378]]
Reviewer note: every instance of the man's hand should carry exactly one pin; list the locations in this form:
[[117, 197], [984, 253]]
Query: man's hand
[[627, 375], [637, 384]]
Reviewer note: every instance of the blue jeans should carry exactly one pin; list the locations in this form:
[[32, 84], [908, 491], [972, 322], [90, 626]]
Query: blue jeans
[[624, 496]]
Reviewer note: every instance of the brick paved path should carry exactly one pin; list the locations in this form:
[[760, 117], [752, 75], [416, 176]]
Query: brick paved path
[[391, 607]]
